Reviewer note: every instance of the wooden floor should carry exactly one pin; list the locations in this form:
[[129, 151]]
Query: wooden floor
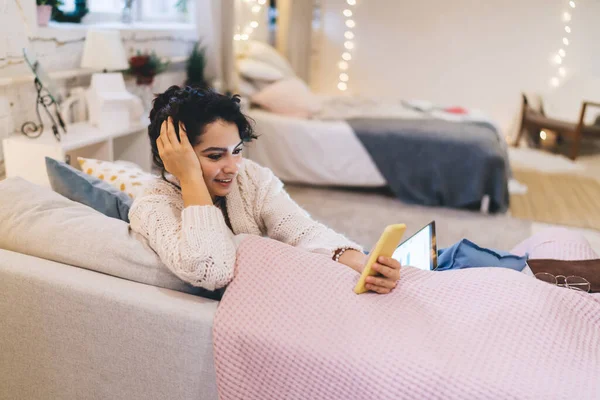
[[558, 198]]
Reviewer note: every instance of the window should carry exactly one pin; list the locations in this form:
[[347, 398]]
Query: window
[[95, 6], [141, 10], [153, 10], [105, 6]]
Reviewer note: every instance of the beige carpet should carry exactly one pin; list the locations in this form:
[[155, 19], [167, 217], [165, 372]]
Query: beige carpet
[[362, 215], [564, 199]]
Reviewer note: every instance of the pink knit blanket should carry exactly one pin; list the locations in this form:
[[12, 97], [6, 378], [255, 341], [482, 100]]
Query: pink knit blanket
[[290, 327]]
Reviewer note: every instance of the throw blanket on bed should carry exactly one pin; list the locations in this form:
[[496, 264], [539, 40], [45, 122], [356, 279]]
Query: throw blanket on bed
[[452, 156], [290, 327], [436, 162]]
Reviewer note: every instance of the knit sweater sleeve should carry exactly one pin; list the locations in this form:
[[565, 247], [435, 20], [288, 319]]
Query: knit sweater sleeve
[[284, 220], [193, 242]]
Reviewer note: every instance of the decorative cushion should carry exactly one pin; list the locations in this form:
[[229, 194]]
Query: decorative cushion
[[87, 189], [289, 97], [253, 69], [39, 222], [260, 51], [126, 177]]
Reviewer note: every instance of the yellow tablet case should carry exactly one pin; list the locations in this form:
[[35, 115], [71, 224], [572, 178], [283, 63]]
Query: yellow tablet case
[[386, 245]]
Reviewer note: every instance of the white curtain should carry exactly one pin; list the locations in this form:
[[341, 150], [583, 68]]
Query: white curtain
[[215, 27], [294, 34]]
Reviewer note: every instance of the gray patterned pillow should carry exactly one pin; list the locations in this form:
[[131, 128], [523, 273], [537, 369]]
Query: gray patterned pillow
[[89, 190]]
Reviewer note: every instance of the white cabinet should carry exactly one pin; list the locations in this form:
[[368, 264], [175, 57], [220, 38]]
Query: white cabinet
[[25, 157]]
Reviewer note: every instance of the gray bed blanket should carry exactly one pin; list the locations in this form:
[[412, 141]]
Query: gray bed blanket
[[438, 163]]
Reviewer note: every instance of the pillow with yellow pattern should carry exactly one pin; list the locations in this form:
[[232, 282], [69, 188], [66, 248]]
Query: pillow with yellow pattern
[[126, 177]]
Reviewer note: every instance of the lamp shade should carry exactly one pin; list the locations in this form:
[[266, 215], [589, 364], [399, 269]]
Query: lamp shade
[[103, 50]]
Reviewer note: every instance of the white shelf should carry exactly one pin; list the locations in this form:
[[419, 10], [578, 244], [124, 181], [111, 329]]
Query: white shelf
[[174, 26], [25, 157], [78, 135]]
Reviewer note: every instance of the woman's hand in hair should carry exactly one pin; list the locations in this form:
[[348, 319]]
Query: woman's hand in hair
[[181, 161], [178, 156]]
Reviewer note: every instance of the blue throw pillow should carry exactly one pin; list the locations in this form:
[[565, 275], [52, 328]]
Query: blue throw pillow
[[466, 254], [89, 190]]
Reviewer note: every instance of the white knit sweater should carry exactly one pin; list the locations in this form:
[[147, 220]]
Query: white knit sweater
[[195, 242]]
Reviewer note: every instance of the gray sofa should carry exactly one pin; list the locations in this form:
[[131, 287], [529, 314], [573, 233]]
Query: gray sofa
[[93, 315]]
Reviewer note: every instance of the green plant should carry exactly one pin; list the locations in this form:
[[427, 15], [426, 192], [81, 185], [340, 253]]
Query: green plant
[[75, 16], [195, 67], [53, 3], [146, 66]]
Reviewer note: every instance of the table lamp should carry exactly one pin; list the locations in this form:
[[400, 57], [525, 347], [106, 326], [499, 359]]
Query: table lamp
[[110, 105]]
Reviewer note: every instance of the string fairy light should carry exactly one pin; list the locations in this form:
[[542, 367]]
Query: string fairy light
[[349, 45], [559, 57], [245, 33]]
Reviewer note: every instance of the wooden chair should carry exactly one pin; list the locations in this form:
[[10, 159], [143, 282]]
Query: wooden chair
[[533, 121]]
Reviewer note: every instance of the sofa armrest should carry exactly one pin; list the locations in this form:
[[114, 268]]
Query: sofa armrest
[[70, 333]]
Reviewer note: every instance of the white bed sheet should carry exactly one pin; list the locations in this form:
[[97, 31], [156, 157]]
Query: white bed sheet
[[312, 151]]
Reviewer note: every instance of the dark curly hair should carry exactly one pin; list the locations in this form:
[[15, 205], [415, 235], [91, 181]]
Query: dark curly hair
[[196, 108]]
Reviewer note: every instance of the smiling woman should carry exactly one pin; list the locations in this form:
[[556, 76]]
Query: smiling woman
[[214, 157], [208, 197], [212, 125]]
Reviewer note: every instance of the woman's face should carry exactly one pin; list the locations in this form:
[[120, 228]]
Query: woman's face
[[220, 155]]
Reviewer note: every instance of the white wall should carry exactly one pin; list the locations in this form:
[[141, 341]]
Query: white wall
[[60, 48], [471, 53]]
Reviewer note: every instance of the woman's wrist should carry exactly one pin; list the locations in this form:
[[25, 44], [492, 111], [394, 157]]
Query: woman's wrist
[[191, 179], [354, 259], [339, 252], [195, 193]]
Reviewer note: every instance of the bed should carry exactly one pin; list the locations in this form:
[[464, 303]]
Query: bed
[[426, 155], [287, 145]]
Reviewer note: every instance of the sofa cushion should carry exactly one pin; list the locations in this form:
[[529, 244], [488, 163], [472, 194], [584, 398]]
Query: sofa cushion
[[128, 178], [39, 222], [87, 189]]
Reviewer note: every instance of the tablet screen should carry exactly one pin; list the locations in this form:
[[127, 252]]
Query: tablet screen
[[419, 250]]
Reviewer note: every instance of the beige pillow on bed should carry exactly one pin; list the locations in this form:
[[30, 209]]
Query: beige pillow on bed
[[246, 88], [263, 52], [258, 70], [290, 97]]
